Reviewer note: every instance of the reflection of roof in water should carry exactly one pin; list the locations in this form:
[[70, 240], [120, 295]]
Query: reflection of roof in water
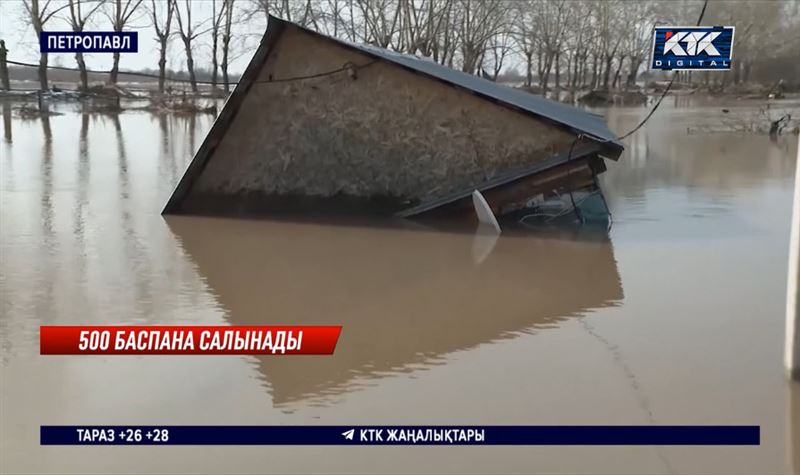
[[404, 298]]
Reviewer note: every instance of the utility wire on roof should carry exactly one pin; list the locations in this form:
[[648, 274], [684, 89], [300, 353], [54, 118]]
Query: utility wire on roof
[[348, 66]]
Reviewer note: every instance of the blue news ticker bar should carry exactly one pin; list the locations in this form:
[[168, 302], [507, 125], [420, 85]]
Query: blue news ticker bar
[[88, 42], [366, 435]]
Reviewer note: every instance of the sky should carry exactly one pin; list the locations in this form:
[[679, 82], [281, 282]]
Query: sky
[[23, 44]]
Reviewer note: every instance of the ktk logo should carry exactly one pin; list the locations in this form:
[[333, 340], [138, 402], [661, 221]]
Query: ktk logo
[[699, 48], [696, 42]]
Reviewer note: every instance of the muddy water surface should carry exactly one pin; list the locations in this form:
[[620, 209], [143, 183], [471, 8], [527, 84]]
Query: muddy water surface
[[674, 317]]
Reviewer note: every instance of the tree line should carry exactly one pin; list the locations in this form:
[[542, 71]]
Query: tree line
[[559, 45]]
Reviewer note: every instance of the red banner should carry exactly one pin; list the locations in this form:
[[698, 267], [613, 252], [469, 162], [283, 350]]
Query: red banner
[[188, 340]]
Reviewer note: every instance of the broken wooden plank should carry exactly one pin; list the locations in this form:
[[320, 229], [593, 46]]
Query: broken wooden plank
[[578, 155]]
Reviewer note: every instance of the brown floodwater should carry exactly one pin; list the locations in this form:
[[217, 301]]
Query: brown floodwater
[[675, 316]]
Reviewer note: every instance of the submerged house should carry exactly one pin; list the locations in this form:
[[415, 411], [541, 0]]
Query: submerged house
[[317, 125]]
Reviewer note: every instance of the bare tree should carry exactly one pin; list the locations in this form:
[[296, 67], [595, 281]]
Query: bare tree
[[78, 17], [551, 24], [496, 53], [578, 38], [381, 20], [477, 22], [758, 32], [162, 28], [524, 31], [40, 12], [265, 8], [332, 19], [610, 22], [422, 23], [444, 42], [188, 32], [637, 38], [120, 15], [256, 8], [217, 16], [562, 43], [226, 43]]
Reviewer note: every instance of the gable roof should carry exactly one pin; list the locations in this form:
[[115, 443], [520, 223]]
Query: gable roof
[[575, 120]]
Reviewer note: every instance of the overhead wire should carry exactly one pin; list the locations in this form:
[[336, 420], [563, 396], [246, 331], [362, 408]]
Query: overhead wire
[[666, 89], [580, 136], [94, 71], [348, 66]]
